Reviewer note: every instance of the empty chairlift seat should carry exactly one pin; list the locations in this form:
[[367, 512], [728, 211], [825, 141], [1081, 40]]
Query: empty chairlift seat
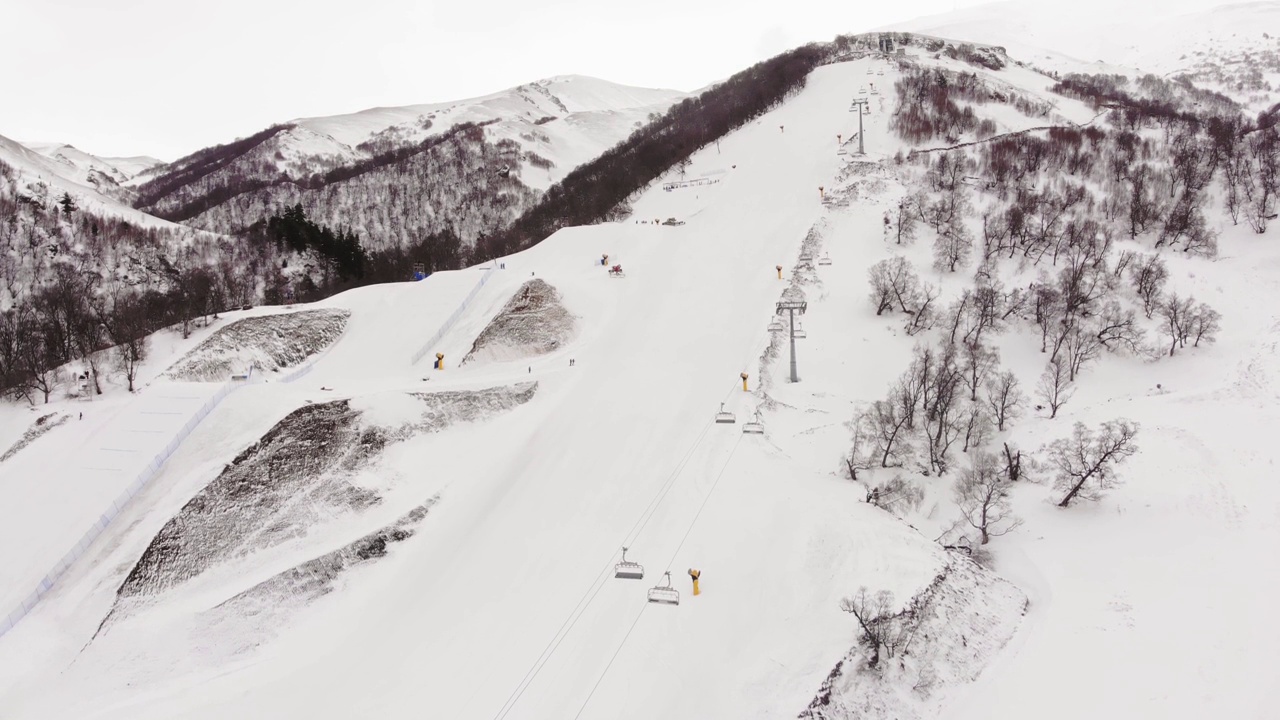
[[825, 259], [664, 594], [628, 570], [775, 325], [724, 416], [754, 427]]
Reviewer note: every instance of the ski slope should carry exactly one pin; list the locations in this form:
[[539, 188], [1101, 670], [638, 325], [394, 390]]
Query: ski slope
[[503, 604], [619, 449]]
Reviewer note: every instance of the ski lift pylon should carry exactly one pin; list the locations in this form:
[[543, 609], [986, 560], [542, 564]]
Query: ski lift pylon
[[724, 416], [665, 594], [754, 427], [628, 570]]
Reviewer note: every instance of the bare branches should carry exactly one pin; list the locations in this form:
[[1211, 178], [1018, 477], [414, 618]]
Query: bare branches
[[1004, 398], [1148, 276], [1185, 320], [877, 616], [982, 493], [893, 282], [1056, 387], [1086, 462]]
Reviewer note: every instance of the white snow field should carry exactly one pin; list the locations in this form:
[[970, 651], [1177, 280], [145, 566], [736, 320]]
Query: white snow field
[[502, 604]]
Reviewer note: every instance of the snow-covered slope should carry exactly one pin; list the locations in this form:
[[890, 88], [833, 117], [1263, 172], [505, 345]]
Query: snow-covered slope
[[471, 182], [1091, 38], [103, 173], [567, 119], [589, 103], [47, 178], [457, 561]]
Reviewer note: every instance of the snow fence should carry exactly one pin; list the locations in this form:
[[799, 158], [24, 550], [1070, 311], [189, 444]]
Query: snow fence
[[453, 319], [117, 506]]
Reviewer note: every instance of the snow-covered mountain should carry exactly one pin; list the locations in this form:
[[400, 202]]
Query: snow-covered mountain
[[1234, 47], [525, 139], [579, 116], [103, 173], [46, 174], [352, 530]]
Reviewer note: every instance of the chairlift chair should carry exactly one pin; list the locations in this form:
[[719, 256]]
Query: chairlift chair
[[776, 325], [724, 416], [665, 594], [825, 259], [842, 151], [806, 257], [799, 333], [753, 428], [628, 570]]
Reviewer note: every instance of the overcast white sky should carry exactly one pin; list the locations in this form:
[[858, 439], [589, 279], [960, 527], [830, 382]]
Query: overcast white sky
[[167, 77]]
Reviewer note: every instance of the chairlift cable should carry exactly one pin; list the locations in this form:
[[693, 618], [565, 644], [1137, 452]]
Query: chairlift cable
[[617, 651], [597, 585], [641, 523], [609, 664], [710, 492]]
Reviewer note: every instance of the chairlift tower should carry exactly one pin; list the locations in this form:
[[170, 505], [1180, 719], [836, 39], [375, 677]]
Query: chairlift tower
[[791, 308], [860, 105]]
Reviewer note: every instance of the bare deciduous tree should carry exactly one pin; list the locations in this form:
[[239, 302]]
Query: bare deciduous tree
[[982, 492], [127, 326], [1204, 324], [926, 314], [1046, 302], [1086, 462], [876, 614], [1178, 314], [979, 361], [986, 310], [859, 457], [1012, 463], [905, 227], [952, 247], [1148, 276], [1056, 388], [887, 424], [1117, 328], [1081, 347], [1004, 398], [894, 282], [896, 496], [977, 426], [942, 379]]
